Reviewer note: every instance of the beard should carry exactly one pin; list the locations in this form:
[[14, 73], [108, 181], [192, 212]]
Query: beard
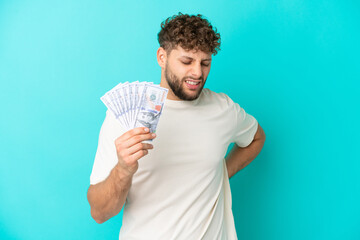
[[177, 86]]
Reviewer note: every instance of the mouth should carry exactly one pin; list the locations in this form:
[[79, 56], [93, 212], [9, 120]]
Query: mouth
[[192, 84]]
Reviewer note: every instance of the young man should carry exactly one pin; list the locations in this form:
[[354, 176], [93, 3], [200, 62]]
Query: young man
[[178, 186]]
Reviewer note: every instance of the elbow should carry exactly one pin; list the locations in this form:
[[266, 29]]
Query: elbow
[[98, 219], [260, 135], [263, 137], [95, 214]]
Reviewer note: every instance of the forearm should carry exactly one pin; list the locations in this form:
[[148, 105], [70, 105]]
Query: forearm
[[108, 197], [239, 157]]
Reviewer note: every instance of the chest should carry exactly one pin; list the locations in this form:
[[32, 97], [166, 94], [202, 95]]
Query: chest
[[195, 140]]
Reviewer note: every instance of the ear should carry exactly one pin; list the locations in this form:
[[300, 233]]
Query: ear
[[161, 57]]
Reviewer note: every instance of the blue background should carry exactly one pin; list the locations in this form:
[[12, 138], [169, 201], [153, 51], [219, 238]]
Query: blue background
[[292, 64]]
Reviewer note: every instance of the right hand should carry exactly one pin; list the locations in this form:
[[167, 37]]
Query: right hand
[[130, 149]]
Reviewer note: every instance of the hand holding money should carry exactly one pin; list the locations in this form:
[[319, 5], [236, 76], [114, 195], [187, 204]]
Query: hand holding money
[[130, 149], [137, 107]]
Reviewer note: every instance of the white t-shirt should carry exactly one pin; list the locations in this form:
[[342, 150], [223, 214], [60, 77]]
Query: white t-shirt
[[181, 189]]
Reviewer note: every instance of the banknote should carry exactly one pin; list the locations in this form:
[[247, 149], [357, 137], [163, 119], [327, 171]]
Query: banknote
[[136, 104], [151, 106]]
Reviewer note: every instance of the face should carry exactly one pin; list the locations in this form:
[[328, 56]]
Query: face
[[186, 72]]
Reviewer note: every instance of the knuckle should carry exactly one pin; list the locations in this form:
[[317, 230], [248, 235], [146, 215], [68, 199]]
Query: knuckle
[[119, 148], [136, 147], [118, 143], [125, 134], [123, 154], [135, 131], [139, 146], [128, 159], [121, 145], [132, 131]]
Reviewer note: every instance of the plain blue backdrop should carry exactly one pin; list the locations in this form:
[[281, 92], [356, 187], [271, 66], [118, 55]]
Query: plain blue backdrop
[[292, 64]]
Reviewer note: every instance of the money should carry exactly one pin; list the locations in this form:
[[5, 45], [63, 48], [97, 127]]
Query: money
[[136, 104]]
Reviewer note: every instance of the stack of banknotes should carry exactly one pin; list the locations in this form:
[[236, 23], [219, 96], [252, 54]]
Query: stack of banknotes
[[136, 104]]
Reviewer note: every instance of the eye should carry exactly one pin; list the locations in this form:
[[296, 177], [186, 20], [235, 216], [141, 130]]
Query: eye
[[206, 65], [186, 63]]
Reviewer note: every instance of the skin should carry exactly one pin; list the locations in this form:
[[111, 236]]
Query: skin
[[107, 198], [180, 65], [239, 157]]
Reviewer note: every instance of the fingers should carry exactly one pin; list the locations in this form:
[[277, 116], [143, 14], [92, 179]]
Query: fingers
[[136, 131], [130, 147], [136, 156], [137, 139], [129, 161], [139, 146], [133, 137]]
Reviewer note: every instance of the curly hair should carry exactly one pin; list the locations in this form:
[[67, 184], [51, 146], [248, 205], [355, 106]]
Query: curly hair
[[191, 32]]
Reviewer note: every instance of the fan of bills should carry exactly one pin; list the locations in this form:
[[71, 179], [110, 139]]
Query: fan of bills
[[136, 104]]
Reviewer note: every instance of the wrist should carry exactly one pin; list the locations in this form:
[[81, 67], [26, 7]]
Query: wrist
[[122, 176]]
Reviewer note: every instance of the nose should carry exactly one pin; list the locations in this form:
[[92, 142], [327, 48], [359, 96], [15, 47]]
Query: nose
[[196, 71]]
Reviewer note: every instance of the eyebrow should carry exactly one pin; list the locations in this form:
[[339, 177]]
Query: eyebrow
[[190, 58]]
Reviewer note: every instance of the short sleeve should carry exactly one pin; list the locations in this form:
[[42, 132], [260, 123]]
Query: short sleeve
[[245, 127], [106, 157]]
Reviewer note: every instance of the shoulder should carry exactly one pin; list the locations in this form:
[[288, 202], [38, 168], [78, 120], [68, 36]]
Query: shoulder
[[111, 126], [220, 98]]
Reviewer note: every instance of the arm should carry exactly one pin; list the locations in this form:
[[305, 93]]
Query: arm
[[239, 157], [108, 197]]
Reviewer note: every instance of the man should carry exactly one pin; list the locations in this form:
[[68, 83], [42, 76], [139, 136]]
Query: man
[[177, 187]]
